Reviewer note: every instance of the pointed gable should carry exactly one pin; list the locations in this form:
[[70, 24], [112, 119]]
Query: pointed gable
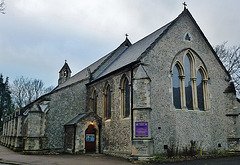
[[64, 73], [141, 73], [186, 12], [129, 54], [139, 49], [65, 66]]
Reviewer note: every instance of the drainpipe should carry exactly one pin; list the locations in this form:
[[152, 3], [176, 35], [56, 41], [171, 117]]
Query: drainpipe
[[99, 134], [132, 101]]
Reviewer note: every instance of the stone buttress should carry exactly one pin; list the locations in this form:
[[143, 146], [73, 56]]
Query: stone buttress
[[34, 140], [142, 143]]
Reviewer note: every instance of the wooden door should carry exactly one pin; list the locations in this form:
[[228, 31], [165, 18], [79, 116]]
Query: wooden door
[[90, 139]]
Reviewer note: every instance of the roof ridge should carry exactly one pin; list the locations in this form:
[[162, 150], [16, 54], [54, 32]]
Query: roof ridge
[[111, 63], [126, 41], [144, 41]]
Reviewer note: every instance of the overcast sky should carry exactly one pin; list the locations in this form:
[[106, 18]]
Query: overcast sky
[[36, 36]]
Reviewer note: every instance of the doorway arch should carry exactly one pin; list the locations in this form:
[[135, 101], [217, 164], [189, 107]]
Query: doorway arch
[[90, 139]]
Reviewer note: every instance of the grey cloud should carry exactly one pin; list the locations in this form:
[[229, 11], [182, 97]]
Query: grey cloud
[[37, 36]]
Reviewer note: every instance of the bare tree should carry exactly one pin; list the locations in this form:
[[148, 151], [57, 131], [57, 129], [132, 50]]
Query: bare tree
[[2, 7], [19, 92], [230, 57], [25, 90]]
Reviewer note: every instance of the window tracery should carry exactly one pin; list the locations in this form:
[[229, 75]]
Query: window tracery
[[189, 83]]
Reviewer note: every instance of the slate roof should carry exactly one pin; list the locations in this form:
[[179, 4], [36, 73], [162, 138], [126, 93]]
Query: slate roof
[[83, 74], [128, 55], [76, 119], [131, 54], [135, 51], [81, 116]]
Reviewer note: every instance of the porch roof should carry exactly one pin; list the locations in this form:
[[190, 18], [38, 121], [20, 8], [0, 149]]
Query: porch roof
[[80, 116]]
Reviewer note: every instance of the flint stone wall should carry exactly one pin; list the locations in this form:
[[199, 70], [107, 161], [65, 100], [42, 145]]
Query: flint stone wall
[[64, 106], [116, 132], [208, 128]]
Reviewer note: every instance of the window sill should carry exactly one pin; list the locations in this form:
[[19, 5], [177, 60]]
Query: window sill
[[125, 118], [190, 110], [108, 120]]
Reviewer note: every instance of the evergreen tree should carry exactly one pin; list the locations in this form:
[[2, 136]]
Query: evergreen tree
[[6, 106]]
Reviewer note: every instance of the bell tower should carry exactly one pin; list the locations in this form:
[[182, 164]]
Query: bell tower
[[64, 73]]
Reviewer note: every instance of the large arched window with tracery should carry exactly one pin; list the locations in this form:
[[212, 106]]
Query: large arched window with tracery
[[176, 88], [188, 83]]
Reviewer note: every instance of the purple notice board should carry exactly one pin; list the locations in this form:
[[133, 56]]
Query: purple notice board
[[141, 128]]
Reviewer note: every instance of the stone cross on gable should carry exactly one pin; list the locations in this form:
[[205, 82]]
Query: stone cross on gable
[[126, 35], [185, 5]]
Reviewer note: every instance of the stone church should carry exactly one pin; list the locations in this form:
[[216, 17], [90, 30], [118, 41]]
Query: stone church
[[167, 89]]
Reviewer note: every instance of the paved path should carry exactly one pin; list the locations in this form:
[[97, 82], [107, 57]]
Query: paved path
[[234, 160], [95, 159]]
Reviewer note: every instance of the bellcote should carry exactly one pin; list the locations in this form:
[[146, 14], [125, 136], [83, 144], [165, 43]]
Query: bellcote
[[64, 73]]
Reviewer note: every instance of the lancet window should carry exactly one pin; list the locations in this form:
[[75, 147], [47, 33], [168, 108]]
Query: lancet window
[[93, 101], [125, 90], [107, 102]]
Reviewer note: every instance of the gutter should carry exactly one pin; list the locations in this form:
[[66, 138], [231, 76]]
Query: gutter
[[115, 71]]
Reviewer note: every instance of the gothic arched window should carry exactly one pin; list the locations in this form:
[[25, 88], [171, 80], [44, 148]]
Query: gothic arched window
[[176, 88], [107, 102], [200, 93], [65, 73], [93, 101], [126, 98], [188, 83]]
